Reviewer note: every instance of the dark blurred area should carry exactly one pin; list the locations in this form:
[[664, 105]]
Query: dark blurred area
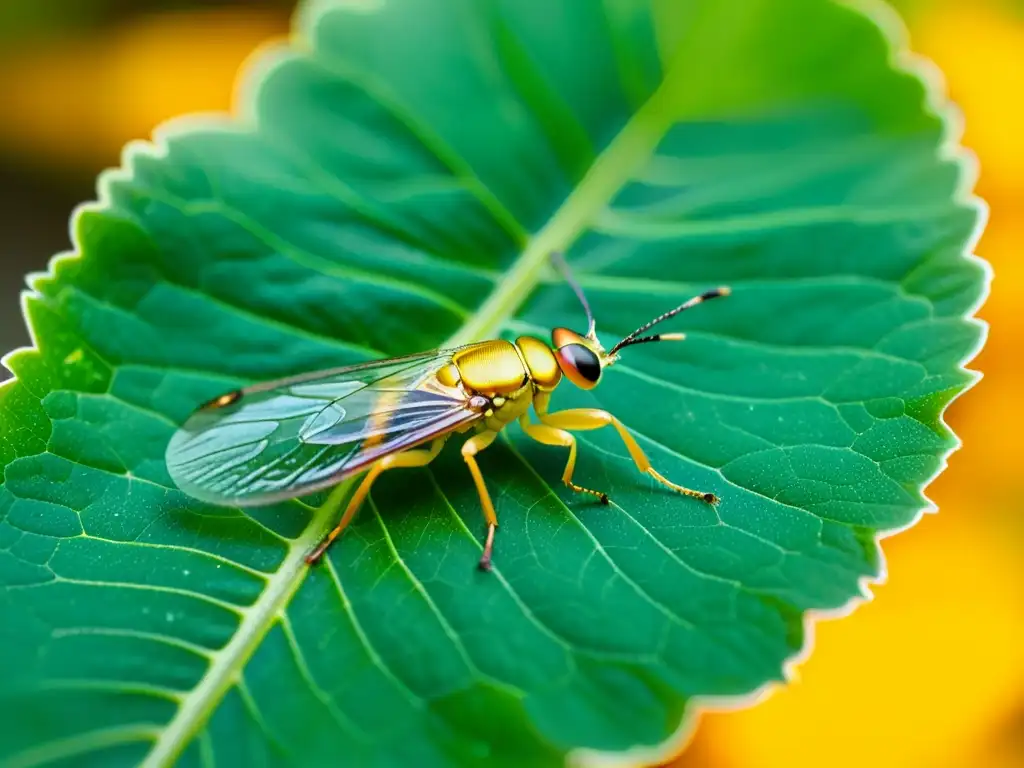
[[930, 673], [33, 224], [79, 78]]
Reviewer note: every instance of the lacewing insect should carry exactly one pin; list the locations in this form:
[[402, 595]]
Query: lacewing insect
[[291, 437]]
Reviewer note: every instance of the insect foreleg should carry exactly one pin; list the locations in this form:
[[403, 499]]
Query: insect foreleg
[[553, 436], [470, 449], [592, 418], [412, 458]]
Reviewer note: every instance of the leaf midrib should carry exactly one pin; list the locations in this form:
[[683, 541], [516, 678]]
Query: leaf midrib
[[611, 170]]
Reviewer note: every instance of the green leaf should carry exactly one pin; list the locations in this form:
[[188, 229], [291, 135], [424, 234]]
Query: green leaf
[[402, 174]]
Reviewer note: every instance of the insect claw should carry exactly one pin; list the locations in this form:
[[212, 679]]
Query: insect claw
[[602, 497], [485, 559], [314, 557]]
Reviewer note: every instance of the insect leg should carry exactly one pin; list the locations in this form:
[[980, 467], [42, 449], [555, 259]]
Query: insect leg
[[553, 436], [411, 458], [470, 449], [592, 418]]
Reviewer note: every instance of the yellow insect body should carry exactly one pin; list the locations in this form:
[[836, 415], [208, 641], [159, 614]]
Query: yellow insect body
[[491, 368], [288, 438], [509, 375], [540, 362]]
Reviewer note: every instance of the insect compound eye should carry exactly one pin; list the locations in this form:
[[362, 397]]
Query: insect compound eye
[[581, 364]]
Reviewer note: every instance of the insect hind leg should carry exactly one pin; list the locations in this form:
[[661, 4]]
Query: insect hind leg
[[554, 436], [470, 449], [592, 418], [412, 458]]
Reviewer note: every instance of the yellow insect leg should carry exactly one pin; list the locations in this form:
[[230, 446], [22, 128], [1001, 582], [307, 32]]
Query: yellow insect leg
[[553, 436], [592, 418], [411, 458], [470, 449]]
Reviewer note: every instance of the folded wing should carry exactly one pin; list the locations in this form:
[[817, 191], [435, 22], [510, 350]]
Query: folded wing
[[295, 436]]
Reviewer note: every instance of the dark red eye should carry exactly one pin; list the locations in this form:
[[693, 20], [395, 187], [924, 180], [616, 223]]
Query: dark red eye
[[580, 364]]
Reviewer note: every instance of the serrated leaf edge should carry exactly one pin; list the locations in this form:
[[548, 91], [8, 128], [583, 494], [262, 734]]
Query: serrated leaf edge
[[895, 34], [600, 183]]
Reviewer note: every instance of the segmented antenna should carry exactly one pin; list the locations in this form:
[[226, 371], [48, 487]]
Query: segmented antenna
[[562, 267], [635, 338]]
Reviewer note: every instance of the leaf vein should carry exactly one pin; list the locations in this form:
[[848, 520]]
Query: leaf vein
[[442, 620]]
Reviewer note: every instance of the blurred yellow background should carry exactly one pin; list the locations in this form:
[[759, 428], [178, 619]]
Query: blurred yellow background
[[930, 673]]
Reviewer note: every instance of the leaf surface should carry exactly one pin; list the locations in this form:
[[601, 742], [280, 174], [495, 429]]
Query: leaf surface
[[402, 174]]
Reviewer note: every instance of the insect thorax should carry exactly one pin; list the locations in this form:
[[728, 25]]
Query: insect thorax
[[540, 362], [491, 368], [499, 367]]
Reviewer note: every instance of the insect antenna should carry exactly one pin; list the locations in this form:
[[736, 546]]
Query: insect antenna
[[559, 262], [636, 338]]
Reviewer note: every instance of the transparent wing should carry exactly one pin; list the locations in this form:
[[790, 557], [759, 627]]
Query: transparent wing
[[294, 436]]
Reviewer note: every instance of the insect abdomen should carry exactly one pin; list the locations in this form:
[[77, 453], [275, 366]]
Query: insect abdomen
[[491, 368]]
